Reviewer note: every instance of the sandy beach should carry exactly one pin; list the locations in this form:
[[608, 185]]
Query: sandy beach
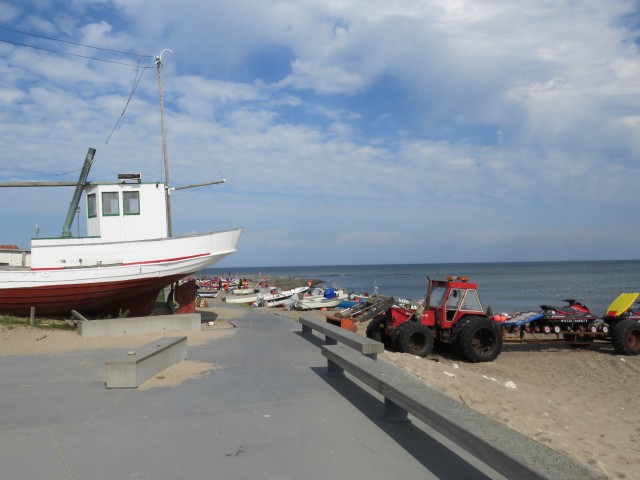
[[580, 402]]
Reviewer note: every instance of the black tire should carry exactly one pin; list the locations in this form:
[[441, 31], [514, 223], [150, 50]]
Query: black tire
[[456, 330], [480, 340], [625, 336], [414, 338], [374, 329], [377, 330]]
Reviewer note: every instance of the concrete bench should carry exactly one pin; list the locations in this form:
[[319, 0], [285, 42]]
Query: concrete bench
[[334, 334], [130, 371], [502, 448], [161, 324]]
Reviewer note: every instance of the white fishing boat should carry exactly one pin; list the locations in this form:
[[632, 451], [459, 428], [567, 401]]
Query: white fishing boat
[[126, 258], [122, 263]]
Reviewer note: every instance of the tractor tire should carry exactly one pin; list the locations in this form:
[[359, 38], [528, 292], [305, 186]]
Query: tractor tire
[[456, 330], [414, 338], [480, 340], [377, 330], [625, 336]]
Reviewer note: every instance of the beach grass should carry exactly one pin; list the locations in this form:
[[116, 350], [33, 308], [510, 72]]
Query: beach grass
[[42, 323]]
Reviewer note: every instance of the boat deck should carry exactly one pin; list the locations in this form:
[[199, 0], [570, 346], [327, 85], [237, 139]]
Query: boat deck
[[268, 411]]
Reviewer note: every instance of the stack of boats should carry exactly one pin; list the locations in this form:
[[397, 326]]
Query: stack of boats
[[264, 297], [299, 298]]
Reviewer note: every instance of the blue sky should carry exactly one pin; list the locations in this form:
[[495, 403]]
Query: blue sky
[[349, 132]]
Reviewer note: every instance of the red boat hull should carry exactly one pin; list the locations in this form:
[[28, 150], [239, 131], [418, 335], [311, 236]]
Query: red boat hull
[[137, 297]]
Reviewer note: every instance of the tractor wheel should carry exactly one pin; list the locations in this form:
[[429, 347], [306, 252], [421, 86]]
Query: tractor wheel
[[414, 338], [456, 330], [377, 330], [480, 340], [625, 337]]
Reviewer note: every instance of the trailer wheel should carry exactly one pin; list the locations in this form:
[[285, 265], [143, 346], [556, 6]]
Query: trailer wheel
[[480, 340], [625, 336], [547, 329], [377, 330], [414, 338]]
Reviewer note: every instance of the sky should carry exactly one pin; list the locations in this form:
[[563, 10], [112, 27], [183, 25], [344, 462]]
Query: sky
[[348, 132]]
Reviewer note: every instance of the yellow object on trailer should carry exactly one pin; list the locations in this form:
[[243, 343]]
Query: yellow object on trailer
[[621, 304]]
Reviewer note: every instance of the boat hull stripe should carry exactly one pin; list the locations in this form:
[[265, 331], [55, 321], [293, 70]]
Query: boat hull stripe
[[128, 264]]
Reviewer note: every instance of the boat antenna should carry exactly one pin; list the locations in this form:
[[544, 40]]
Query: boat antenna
[[164, 144]]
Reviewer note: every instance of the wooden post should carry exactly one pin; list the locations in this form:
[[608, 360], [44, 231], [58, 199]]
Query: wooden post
[[32, 317]]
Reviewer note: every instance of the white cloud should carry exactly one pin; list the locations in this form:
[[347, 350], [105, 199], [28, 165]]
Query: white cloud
[[487, 120]]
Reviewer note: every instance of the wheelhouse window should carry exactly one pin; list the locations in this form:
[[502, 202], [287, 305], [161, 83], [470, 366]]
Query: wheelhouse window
[[131, 203], [91, 205], [110, 203]]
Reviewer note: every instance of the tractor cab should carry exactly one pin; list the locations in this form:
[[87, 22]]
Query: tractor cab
[[449, 300]]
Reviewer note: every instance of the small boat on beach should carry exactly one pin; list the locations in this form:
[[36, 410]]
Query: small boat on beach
[[240, 299], [244, 291], [207, 293], [352, 300], [278, 298], [320, 298]]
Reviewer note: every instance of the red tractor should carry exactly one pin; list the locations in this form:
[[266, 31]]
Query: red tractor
[[452, 315]]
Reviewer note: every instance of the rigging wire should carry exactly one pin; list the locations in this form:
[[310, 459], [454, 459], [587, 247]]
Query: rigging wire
[[59, 174], [74, 43], [136, 82], [137, 77], [72, 54]]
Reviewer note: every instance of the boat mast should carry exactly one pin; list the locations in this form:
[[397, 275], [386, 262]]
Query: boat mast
[[164, 144], [75, 201]]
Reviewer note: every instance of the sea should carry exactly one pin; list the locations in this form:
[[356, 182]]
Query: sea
[[506, 287]]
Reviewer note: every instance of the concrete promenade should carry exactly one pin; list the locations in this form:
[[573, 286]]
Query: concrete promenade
[[269, 411]]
